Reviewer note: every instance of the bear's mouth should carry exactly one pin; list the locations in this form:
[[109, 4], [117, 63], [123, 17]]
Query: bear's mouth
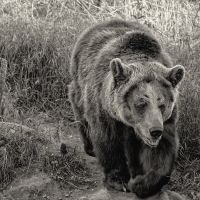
[[150, 142]]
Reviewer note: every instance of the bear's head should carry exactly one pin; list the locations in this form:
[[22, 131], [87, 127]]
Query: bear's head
[[144, 96]]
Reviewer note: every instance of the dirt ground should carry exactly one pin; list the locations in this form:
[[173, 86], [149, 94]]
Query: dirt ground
[[33, 184]]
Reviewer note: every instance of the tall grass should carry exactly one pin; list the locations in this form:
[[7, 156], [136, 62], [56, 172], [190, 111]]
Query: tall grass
[[37, 44], [37, 37]]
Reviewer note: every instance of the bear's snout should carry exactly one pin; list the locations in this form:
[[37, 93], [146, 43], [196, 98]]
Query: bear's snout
[[156, 132]]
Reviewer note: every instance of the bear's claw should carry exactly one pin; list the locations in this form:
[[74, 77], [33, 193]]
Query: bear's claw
[[117, 181]]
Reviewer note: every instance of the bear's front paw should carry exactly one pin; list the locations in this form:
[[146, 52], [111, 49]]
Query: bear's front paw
[[137, 186], [115, 180]]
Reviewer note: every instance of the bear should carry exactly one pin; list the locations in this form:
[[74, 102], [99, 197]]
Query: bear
[[124, 96]]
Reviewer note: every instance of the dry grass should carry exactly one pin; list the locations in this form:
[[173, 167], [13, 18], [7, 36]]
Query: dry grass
[[18, 152], [69, 169], [37, 36]]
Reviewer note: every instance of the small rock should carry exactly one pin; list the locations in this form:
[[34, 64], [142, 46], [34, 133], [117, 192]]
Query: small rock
[[63, 149]]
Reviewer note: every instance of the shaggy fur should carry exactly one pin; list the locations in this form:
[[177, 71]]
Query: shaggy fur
[[124, 93]]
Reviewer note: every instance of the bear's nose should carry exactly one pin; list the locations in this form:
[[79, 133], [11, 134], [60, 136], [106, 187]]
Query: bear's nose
[[155, 133]]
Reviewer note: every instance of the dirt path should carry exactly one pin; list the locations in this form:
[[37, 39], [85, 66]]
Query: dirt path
[[33, 184]]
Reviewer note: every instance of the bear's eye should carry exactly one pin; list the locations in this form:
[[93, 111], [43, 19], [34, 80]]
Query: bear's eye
[[141, 106], [162, 108]]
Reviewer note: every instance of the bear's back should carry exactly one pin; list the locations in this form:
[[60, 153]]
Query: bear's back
[[93, 39], [98, 45]]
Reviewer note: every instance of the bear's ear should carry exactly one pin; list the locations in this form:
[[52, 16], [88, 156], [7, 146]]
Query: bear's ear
[[119, 72], [176, 75]]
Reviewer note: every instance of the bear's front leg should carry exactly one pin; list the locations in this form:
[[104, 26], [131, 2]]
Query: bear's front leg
[[107, 140], [157, 165], [148, 184]]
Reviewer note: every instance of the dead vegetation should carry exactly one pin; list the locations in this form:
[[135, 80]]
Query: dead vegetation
[[68, 169]]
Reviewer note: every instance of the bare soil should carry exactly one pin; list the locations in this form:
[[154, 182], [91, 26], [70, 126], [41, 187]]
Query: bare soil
[[33, 183]]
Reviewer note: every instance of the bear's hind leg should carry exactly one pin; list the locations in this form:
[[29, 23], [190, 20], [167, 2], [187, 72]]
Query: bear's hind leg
[[83, 126], [84, 131]]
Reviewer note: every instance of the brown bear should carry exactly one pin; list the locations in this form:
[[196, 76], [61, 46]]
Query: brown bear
[[124, 93]]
